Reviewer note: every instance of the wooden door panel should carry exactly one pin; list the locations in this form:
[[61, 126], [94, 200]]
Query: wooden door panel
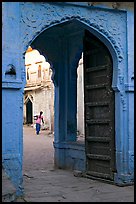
[[97, 112], [97, 130], [99, 168], [98, 146], [94, 94], [99, 109]]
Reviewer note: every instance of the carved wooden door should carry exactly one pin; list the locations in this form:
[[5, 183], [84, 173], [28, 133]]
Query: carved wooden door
[[99, 109]]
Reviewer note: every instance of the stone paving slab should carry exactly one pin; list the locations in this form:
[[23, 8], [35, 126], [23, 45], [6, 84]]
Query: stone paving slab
[[62, 186], [56, 185]]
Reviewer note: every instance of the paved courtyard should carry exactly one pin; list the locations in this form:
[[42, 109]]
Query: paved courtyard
[[38, 149], [43, 183]]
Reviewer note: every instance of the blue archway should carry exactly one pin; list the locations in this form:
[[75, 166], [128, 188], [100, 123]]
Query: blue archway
[[57, 44], [110, 34], [29, 28]]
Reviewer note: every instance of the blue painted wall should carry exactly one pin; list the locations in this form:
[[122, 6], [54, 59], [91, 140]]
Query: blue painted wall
[[12, 94], [130, 90], [61, 42]]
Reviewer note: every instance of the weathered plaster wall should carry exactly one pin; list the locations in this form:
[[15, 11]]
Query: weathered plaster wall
[[12, 94], [130, 89], [43, 99]]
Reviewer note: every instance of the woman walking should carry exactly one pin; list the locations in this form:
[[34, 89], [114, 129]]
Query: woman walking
[[38, 122]]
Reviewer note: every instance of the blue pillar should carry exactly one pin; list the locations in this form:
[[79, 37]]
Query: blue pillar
[[12, 95]]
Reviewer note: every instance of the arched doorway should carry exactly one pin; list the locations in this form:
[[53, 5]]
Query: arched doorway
[[29, 112], [69, 38]]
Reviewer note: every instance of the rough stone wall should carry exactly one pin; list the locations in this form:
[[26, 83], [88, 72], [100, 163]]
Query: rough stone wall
[[43, 99]]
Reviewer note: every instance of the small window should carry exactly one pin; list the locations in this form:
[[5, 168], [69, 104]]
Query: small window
[[39, 71], [27, 74]]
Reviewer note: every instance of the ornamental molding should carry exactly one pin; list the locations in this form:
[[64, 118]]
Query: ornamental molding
[[37, 17], [44, 15], [123, 101]]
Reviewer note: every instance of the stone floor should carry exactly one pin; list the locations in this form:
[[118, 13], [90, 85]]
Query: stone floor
[[43, 183]]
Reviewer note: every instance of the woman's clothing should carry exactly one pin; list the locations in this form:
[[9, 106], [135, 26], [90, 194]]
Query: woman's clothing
[[38, 124], [39, 119]]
